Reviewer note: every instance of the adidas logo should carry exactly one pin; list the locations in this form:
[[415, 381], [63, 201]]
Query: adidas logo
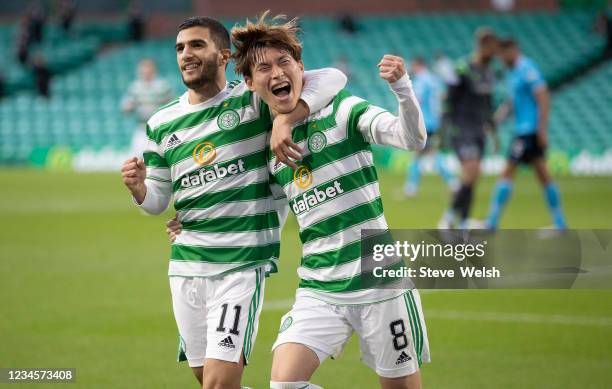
[[403, 358], [227, 343], [173, 141]]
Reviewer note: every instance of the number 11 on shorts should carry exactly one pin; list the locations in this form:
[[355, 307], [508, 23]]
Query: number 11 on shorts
[[234, 329]]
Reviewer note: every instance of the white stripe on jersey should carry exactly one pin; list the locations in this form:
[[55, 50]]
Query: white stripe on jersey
[[328, 172], [229, 182], [227, 239], [224, 153], [339, 204], [344, 237], [247, 114], [232, 209]]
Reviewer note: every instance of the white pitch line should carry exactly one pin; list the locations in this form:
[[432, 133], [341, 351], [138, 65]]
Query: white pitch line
[[504, 317]]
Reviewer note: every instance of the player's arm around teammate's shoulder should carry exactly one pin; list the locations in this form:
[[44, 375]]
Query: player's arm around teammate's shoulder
[[320, 87], [405, 131]]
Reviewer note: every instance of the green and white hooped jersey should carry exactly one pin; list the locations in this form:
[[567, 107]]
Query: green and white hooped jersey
[[212, 158], [334, 194]]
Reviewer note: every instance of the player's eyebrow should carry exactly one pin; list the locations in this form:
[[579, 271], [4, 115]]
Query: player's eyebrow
[[191, 42]]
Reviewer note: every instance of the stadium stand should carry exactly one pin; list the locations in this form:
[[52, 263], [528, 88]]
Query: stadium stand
[[581, 116], [62, 52], [84, 108]]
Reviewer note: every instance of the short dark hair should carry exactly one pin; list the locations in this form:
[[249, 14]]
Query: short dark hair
[[218, 32], [507, 43]]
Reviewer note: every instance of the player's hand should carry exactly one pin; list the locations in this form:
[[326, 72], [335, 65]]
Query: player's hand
[[133, 174], [391, 68], [282, 144], [542, 138], [173, 228]]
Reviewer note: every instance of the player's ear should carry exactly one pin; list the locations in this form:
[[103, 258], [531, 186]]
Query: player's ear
[[301, 65], [249, 82], [224, 57]]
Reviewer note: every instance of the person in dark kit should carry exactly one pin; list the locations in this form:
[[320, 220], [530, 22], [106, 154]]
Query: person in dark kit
[[42, 75], [37, 16], [136, 20], [22, 41], [348, 23], [67, 14], [1, 86], [470, 115], [603, 26]]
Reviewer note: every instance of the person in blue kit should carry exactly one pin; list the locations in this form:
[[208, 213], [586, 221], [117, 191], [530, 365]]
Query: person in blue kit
[[428, 91], [530, 101]]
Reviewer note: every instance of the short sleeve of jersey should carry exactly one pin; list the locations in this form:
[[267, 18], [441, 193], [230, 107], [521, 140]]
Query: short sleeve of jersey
[[532, 77]]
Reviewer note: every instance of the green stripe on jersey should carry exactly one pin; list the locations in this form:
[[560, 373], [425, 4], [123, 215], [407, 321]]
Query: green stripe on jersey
[[352, 181], [154, 160], [343, 220], [193, 119], [238, 255], [257, 191], [347, 253], [205, 174], [234, 223], [243, 132], [301, 132], [332, 154], [352, 284], [345, 163], [238, 156]]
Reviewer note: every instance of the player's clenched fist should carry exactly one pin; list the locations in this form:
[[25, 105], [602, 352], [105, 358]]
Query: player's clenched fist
[[133, 173], [391, 68]]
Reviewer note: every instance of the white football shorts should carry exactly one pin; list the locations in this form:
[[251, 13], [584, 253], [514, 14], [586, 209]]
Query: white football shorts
[[217, 317], [392, 333]]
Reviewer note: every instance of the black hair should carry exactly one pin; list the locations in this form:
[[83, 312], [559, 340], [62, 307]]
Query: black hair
[[218, 33]]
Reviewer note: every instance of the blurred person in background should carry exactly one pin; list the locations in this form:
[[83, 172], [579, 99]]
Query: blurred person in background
[[530, 100], [23, 41], [136, 20], [428, 90], [347, 23], [144, 96], [66, 14], [42, 76], [470, 114], [603, 26], [444, 68], [1, 85], [37, 17]]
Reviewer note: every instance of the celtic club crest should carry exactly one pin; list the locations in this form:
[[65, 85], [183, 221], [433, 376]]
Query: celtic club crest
[[228, 120], [317, 142]]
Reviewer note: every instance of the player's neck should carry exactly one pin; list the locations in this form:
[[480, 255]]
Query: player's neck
[[200, 95]]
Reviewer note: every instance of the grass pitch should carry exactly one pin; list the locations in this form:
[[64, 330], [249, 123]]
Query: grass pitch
[[83, 284]]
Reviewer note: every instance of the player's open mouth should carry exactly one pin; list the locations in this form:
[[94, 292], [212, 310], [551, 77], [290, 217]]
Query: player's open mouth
[[191, 66], [281, 90]]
